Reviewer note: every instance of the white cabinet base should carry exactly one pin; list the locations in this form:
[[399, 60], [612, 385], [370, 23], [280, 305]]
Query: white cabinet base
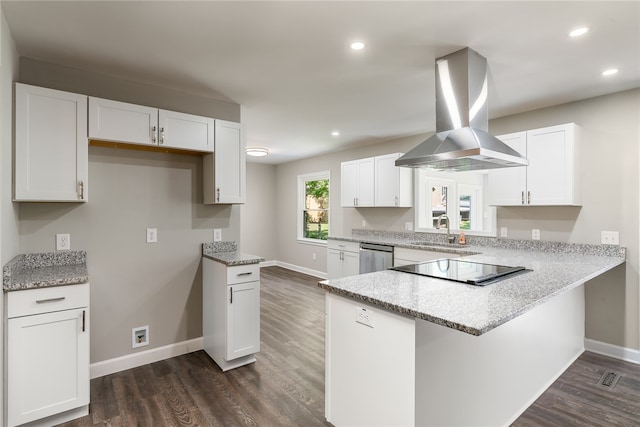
[[60, 418], [231, 364]]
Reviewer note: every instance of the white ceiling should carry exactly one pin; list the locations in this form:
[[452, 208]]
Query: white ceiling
[[289, 65]]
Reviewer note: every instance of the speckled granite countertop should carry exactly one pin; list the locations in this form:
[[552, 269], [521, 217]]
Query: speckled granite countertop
[[226, 253], [478, 309], [31, 271]]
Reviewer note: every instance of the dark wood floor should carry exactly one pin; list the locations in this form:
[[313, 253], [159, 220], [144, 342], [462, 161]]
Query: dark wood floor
[[286, 385]]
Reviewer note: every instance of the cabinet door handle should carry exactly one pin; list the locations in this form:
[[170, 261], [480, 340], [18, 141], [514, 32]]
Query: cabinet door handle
[[43, 301], [249, 273], [218, 194], [153, 134], [396, 200], [230, 295], [528, 197], [522, 196], [83, 316], [161, 135], [81, 185]]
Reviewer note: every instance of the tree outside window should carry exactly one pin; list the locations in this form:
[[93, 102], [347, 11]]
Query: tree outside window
[[315, 206]]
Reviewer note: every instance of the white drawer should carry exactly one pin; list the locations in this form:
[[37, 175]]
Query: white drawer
[[243, 274], [342, 245], [45, 300]]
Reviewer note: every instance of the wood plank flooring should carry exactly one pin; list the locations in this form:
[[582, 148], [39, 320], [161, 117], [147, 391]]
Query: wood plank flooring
[[286, 385]]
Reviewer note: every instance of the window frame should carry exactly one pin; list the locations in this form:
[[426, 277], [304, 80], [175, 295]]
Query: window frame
[[301, 207]]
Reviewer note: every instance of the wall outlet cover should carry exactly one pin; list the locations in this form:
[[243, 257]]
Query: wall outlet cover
[[408, 226], [504, 232], [63, 242], [364, 316], [152, 235], [217, 234], [535, 234], [140, 336], [610, 238]]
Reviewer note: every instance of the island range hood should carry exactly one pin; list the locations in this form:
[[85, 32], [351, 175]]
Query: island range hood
[[461, 142]]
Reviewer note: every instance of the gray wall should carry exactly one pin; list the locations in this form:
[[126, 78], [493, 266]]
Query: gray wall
[[257, 224], [609, 147], [134, 283]]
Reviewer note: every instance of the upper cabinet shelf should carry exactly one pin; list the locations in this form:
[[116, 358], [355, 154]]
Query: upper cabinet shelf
[[51, 154], [553, 175], [116, 121]]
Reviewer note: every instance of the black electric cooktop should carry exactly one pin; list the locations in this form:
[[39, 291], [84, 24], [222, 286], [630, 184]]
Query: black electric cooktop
[[474, 273]]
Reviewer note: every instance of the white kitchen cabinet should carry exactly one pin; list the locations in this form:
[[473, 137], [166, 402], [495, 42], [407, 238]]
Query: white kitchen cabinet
[[552, 177], [127, 123], [343, 259], [122, 122], [231, 313], [393, 184], [405, 256], [51, 153], [47, 344], [225, 169], [357, 183]]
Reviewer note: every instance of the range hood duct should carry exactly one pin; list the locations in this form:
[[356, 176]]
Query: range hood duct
[[461, 142]]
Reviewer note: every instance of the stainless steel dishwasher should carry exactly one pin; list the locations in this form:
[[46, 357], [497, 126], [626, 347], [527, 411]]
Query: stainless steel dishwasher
[[375, 257]]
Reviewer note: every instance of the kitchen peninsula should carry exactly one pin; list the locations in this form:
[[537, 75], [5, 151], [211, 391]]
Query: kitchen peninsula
[[404, 349]]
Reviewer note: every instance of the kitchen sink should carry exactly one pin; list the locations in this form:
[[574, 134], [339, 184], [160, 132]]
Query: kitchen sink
[[440, 245]]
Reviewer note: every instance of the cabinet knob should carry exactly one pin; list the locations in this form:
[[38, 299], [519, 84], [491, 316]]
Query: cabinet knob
[[153, 134]]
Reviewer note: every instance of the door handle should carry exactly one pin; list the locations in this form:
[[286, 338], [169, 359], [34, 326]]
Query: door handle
[[81, 185], [522, 196], [162, 135], [230, 295], [42, 301], [153, 134], [528, 197], [249, 273], [83, 322]]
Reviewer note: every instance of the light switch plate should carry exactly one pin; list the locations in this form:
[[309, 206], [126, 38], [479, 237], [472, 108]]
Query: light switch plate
[[610, 238], [63, 242]]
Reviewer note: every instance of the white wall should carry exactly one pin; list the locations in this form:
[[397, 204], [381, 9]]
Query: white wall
[[611, 136], [258, 214]]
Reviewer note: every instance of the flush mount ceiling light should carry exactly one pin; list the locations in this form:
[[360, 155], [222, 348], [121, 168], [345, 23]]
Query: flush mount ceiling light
[[257, 151], [581, 31], [357, 45], [610, 72], [335, 133]]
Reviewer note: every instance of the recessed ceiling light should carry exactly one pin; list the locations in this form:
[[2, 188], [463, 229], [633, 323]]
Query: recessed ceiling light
[[610, 72], [357, 45], [335, 133], [257, 151], [579, 32]]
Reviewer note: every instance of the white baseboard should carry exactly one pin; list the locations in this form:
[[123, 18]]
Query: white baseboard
[[268, 263], [615, 351], [304, 270], [140, 358]]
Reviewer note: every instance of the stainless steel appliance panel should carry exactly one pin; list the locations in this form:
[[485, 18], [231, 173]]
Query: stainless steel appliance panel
[[375, 257]]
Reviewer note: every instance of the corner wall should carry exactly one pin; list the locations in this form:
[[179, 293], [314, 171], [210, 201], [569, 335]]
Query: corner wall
[[259, 213]]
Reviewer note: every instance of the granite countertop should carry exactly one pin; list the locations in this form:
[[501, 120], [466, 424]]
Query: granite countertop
[[227, 253], [40, 270], [472, 309]]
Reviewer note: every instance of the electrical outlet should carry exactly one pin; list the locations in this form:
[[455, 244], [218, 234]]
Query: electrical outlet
[[63, 242], [313, 256], [504, 231], [140, 336], [217, 234], [535, 234], [364, 316], [152, 235], [364, 223], [610, 238], [408, 226]]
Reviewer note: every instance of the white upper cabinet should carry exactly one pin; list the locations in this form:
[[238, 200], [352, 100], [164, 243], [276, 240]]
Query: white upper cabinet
[[122, 122], [357, 183], [51, 154], [552, 177], [116, 121], [393, 184], [185, 131], [225, 169], [376, 181]]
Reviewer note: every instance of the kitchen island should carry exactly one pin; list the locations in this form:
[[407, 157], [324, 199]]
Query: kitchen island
[[403, 349]]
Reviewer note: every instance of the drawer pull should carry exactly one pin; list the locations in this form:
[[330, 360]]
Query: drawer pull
[[249, 273], [83, 315], [42, 301], [230, 295]]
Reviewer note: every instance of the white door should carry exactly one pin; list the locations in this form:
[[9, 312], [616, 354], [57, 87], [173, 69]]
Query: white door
[[243, 320], [51, 153], [122, 122], [49, 358], [366, 182], [230, 163], [350, 264], [348, 183], [550, 173], [507, 187], [185, 131], [387, 182], [334, 264]]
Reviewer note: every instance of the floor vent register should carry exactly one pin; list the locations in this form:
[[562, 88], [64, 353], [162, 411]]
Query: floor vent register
[[609, 379]]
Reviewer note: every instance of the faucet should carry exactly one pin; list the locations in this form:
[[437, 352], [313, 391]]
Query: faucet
[[450, 238]]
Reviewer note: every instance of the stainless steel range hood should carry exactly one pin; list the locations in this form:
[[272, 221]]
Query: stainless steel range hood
[[461, 142]]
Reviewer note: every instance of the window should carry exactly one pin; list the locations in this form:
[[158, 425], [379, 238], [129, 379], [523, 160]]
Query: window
[[459, 195], [313, 207]]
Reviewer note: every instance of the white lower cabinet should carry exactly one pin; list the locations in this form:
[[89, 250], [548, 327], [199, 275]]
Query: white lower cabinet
[[231, 313], [47, 346], [343, 259]]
